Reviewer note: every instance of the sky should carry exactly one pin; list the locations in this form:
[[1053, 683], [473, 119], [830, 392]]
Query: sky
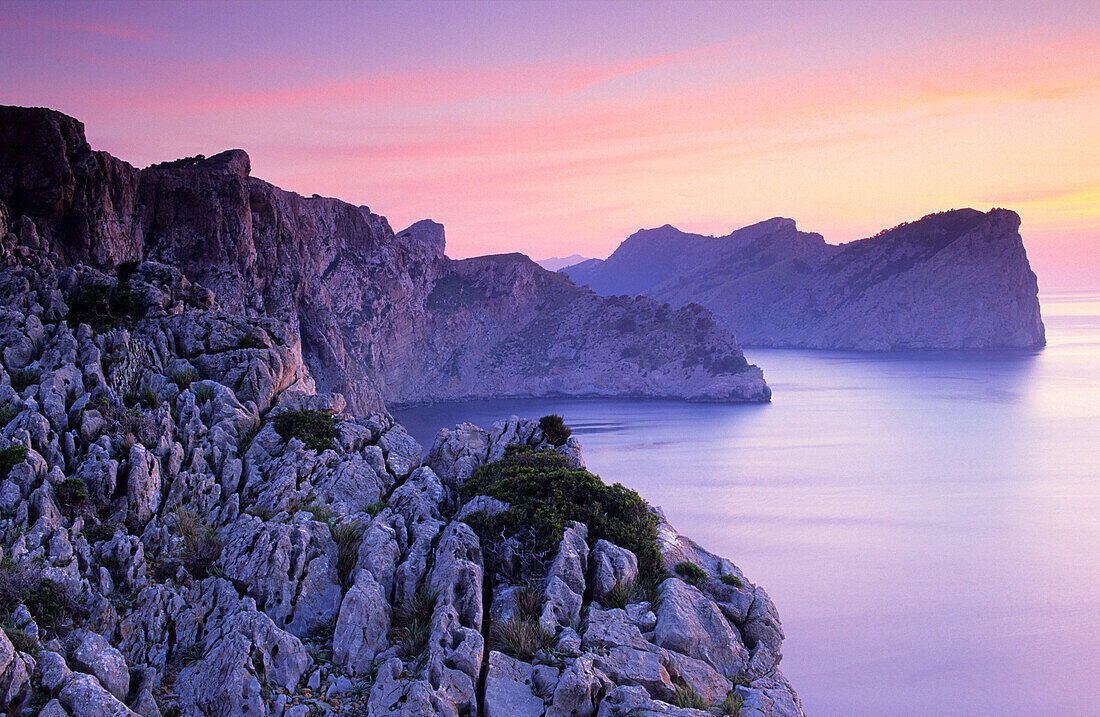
[[561, 128]]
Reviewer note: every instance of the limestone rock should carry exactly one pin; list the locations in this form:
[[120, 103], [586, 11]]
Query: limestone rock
[[691, 624], [97, 657]]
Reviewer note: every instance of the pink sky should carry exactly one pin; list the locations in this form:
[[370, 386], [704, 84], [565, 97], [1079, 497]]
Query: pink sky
[[561, 128]]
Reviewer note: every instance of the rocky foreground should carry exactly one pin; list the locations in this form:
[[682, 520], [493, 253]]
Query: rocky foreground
[[953, 280], [189, 528], [382, 318]]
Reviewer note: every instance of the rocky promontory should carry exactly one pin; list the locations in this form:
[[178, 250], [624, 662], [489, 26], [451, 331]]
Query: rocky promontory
[[380, 317], [954, 280], [189, 527]]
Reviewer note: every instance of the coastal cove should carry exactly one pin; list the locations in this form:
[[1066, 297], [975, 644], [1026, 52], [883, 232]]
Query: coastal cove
[[924, 522]]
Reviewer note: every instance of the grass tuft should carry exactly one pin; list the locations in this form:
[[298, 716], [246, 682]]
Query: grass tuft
[[686, 696], [731, 706], [521, 639], [690, 572]]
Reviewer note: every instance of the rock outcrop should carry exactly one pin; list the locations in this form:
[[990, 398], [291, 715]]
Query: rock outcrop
[[379, 317], [954, 280], [189, 528]]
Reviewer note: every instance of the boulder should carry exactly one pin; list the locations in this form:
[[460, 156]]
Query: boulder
[[97, 657], [510, 688], [363, 625], [690, 623]]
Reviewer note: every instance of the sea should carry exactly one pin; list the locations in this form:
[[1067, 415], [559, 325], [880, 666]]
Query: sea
[[927, 523]]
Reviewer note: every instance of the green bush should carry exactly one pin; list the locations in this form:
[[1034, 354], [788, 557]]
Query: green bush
[[21, 641], [316, 429], [731, 580], [99, 305], [124, 270], [7, 413], [690, 572], [21, 378], [544, 495], [48, 603], [554, 429], [71, 492], [10, 457], [248, 341], [98, 532]]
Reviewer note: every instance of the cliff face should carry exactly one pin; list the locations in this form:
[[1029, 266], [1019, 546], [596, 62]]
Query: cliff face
[[956, 280], [380, 316], [189, 528]]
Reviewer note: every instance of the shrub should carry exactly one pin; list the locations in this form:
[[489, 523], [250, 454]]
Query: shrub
[[690, 572], [184, 377], [731, 706], [544, 495], [375, 508], [347, 537], [166, 569], [248, 341], [316, 429], [98, 532], [10, 457], [71, 492], [21, 641], [731, 580], [99, 305], [48, 603], [124, 270], [204, 393], [554, 429], [411, 624], [21, 378], [521, 639], [7, 413], [686, 696]]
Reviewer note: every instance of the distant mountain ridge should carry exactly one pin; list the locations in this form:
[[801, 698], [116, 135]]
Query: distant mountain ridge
[[954, 280], [556, 263]]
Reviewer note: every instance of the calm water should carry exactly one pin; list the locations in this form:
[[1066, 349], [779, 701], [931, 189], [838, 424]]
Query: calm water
[[928, 525]]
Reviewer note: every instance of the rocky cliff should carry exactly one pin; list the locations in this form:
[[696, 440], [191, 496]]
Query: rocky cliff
[[188, 528], [955, 280], [380, 317]]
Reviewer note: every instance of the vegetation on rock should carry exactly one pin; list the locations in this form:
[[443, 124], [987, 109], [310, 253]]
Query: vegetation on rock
[[690, 572], [545, 494], [10, 457], [316, 429], [555, 430]]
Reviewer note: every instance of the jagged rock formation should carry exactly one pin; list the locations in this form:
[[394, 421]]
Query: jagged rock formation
[[955, 280], [171, 545], [380, 317]]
